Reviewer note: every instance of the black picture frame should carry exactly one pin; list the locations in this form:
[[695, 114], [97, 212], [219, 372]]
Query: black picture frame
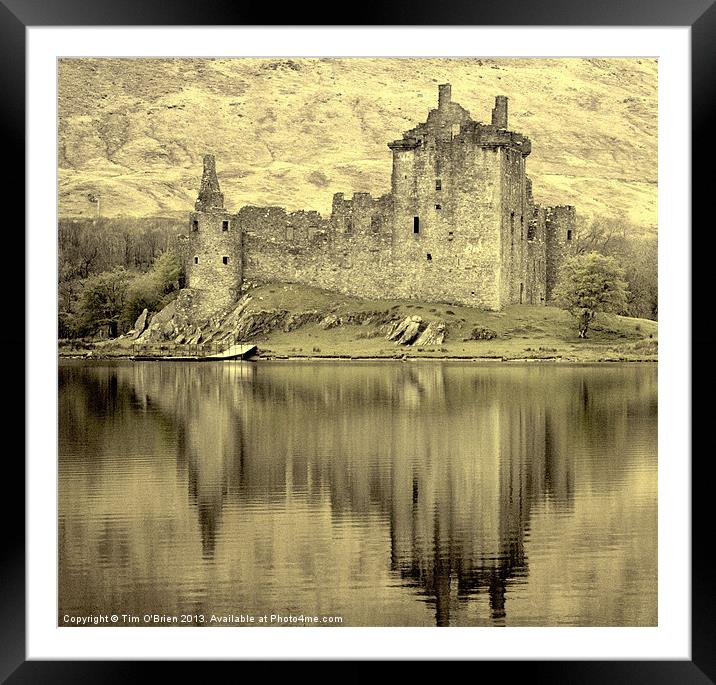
[[16, 15]]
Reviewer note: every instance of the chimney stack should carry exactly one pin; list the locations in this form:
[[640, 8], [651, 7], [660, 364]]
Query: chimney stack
[[499, 113], [444, 95]]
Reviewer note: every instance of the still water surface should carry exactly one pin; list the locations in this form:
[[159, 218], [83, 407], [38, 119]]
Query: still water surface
[[388, 494]]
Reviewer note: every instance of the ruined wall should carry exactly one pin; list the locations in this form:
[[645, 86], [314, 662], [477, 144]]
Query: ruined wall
[[348, 253], [363, 215], [560, 229], [183, 250], [278, 244], [514, 265], [535, 267], [446, 197], [459, 206], [534, 250], [215, 257]]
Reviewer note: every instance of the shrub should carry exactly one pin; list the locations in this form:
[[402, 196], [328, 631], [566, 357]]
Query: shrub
[[482, 333]]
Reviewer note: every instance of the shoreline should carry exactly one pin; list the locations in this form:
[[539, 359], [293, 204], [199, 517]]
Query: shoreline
[[373, 358]]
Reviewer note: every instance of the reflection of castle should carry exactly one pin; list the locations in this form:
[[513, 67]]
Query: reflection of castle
[[459, 226], [447, 460], [458, 506], [459, 512]]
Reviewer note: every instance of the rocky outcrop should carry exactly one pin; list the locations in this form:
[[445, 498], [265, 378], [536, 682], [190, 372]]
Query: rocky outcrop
[[434, 334], [299, 319], [330, 321], [369, 316], [166, 314], [184, 322], [482, 333], [260, 322], [140, 324], [406, 331]]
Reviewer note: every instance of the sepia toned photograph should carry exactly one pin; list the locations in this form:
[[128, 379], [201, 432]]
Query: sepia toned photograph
[[357, 342]]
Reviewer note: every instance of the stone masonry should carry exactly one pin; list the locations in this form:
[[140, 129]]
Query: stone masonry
[[459, 226]]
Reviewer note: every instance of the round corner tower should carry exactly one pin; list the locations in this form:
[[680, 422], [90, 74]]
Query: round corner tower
[[214, 259]]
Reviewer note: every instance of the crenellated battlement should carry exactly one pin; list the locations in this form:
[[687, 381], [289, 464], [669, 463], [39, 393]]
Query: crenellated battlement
[[488, 135], [363, 215], [452, 123]]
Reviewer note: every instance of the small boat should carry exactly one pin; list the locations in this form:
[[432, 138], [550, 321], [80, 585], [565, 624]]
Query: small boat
[[233, 352]]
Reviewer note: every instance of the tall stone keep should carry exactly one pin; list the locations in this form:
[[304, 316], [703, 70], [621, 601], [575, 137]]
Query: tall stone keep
[[214, 269], [460, 208]]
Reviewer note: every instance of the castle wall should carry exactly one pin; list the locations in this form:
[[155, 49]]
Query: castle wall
[[535, 267], [454, 256], [514, 254], [183, 251], [362, 216], [278, 245], [350, 253]]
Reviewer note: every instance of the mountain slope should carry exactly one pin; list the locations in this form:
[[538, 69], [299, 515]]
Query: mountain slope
[[293, 132]]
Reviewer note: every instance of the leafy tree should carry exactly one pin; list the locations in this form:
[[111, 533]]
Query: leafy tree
[[635, 248], [152, 290], [102, 300], [588, 284], [641, 273], [88, 247], [166, 272]]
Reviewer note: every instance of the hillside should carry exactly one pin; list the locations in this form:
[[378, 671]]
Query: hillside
[[288, 320], [293, 132]]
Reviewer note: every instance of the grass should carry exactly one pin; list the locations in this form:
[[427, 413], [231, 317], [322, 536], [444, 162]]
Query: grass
[[522, 332]]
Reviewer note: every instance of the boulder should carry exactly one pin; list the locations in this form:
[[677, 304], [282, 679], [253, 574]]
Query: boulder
[[482, 333], [407, 330], [434, 334], [393, 327], [152, 334], [168, 329], [330, 321], [140, 324], [166, 314]]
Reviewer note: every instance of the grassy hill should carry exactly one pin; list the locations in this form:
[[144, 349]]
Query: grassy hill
[[521, 331], [293, 132]]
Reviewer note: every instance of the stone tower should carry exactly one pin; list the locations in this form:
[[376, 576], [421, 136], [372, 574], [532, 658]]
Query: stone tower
[[214, 269], [560, 237], [460, 207]]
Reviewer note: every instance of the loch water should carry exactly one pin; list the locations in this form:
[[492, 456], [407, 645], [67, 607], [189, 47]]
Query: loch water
[[415, 493]]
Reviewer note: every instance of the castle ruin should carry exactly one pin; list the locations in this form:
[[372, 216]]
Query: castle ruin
[[459, 226]]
